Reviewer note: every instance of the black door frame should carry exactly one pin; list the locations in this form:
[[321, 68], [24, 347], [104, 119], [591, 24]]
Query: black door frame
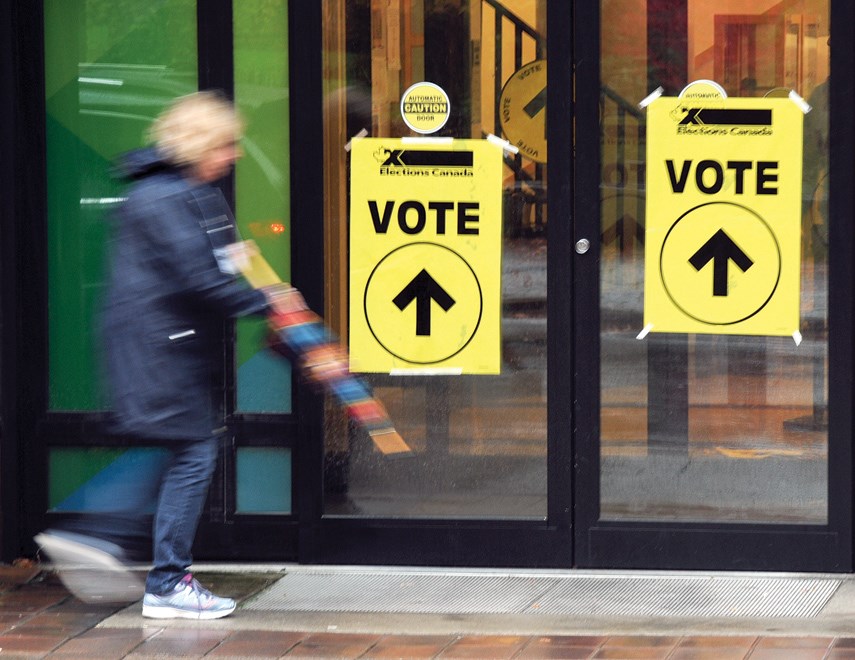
[[714, 546], [23, 252], [15, 67], [444, 542]]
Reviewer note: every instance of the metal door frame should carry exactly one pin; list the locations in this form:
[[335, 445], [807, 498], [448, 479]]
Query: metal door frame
[[446, 542], [606, 544]]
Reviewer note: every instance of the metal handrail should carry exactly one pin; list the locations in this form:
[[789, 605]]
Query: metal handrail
[[522, 30], [519, 23], [627, 113], [628, 223]]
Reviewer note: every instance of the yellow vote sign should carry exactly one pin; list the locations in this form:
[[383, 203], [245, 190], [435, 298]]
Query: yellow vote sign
[[723, 216], [425, 256]]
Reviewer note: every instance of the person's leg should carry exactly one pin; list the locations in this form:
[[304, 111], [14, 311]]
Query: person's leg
[[117, 505], [113, 504], [182, 496], [110, 526], [171, 592]]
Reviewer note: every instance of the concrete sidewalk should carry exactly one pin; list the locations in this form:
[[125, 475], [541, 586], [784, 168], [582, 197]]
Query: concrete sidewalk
[[383, 612]]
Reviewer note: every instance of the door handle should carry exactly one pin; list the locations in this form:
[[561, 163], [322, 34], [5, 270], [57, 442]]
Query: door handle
[[583, 245]]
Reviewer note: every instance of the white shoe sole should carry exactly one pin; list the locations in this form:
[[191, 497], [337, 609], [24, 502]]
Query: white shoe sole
[[160, 612], [92, 575]]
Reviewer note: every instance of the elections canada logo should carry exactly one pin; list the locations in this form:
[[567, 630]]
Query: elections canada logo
[[424, 162], [722, 121]]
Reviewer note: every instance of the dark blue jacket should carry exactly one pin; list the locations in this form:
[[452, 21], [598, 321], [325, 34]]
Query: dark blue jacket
[[167, 300]]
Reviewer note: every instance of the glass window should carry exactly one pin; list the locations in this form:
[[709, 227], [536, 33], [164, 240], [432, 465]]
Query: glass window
[[479, 441], [263, 480], [102, 479], [106, 78], [707, 427], [263, 186]]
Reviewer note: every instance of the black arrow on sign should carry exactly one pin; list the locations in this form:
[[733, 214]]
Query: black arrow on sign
[[537, 104], [720, 248], [423, 288]]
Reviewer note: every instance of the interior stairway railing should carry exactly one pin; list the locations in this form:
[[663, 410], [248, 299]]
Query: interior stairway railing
[[527, 195]]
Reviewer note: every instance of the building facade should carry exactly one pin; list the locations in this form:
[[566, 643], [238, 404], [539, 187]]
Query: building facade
[[708, 428]]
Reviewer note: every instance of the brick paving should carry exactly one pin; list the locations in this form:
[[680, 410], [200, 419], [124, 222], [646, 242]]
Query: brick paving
[[40, 619]]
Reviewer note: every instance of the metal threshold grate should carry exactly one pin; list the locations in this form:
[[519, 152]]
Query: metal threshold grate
[[424, 592]]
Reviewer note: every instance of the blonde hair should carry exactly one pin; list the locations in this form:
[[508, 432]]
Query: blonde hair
[[194, 125]]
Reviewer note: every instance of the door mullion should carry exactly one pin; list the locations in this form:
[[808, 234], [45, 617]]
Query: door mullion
[[586, 307]]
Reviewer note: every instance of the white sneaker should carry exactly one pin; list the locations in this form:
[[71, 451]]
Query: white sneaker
[[188, 600], [90, 568]]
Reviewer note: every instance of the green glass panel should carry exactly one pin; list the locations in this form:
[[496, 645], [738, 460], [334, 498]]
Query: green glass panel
[[105, 479], [263, 480], [263, 192], [69, 469], [110, 67]]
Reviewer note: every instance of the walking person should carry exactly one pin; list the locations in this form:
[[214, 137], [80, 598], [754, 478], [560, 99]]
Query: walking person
[[168, 297]]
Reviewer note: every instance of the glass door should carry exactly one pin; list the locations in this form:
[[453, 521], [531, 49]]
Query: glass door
[[476, 487], [713, 444], [478, 440]]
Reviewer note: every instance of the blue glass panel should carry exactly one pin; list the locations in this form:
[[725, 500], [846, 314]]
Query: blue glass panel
[[263, 480]]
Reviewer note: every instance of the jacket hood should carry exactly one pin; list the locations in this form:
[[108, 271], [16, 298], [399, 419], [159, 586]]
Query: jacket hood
[[140, 163]]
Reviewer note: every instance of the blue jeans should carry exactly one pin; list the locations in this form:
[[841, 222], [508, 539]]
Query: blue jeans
[[169, 485], [183, 489]]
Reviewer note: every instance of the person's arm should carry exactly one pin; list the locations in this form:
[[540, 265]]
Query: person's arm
[[181, 248]]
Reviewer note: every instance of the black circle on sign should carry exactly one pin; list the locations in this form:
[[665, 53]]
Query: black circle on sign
[[765, 302], [480, 304]]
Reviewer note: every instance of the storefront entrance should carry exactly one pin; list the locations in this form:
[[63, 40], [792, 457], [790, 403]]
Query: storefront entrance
[[601, 443], [714, 446], [604, 437]]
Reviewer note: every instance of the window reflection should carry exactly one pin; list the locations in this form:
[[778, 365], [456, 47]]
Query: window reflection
[[480, 441], [707, 427], [104, 84]]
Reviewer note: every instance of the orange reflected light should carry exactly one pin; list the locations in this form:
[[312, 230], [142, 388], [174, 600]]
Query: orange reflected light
[[266, 228]]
